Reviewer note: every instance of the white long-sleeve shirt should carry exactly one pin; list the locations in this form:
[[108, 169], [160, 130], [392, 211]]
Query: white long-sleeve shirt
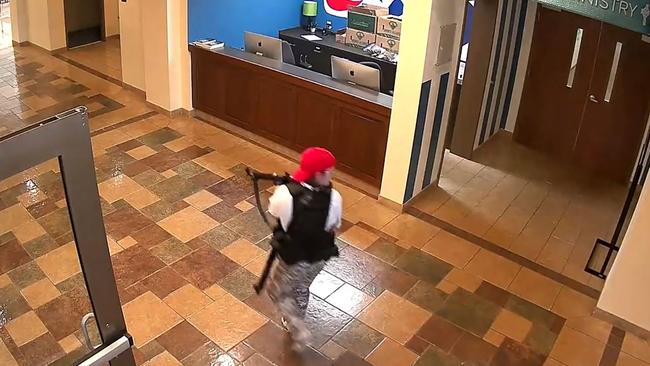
[[281, 207]]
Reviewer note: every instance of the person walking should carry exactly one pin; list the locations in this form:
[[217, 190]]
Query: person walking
[[308, 211]]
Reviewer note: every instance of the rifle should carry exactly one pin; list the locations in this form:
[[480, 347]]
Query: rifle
[[277, 180]]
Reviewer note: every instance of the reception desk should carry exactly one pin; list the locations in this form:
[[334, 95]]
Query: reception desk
[[294, 107]]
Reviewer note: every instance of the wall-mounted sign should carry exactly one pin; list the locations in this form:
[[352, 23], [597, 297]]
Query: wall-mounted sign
[[630, 14]]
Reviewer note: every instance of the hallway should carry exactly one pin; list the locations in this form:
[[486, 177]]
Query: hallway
[[187, 244], [103, 57]]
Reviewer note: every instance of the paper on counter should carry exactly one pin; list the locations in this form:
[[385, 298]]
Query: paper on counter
[[311, 37]]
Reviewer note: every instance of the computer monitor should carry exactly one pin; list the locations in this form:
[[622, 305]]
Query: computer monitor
[[263, 45], [355, 73]]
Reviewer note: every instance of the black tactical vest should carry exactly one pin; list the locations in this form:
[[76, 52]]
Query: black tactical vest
[[306, 239]]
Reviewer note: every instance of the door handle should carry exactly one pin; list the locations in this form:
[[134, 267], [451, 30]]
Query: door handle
[[593, 99], [84, 331]]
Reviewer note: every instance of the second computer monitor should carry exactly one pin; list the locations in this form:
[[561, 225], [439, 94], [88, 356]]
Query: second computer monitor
[[356, 73], [263, 45]]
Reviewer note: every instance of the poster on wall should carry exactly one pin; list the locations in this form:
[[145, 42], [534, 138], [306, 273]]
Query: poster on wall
[[339, 8]]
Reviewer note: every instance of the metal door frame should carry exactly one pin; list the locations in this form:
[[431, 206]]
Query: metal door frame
[[66, 136]]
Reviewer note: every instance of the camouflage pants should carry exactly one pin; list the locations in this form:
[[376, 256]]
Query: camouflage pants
[[289, 290]]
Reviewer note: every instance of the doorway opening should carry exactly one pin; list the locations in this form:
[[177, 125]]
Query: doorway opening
[[5, 24], [94, 37], [545, 139]]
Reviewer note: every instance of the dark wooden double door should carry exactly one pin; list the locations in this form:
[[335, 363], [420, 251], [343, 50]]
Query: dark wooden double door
[[594, 116]]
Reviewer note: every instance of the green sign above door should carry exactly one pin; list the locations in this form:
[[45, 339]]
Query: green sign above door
[[630, 14]]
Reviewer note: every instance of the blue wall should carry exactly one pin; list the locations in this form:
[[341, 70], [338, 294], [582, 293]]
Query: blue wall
[[227, 20]]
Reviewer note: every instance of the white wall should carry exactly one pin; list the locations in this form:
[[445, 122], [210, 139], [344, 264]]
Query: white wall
[[38, 23], [626, 294]]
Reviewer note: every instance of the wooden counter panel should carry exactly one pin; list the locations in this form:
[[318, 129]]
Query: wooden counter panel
[[293, 111]]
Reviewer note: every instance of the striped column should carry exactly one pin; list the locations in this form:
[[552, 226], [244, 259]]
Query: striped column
[[431, 35]]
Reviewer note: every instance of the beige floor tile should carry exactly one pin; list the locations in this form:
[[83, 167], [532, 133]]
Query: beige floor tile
[[512, 325], [572, 304], [494, 338], [141, 152], [451, 249], [447, 287], [244, 206], [70, 343], [202, 200], [391, 353], [163, 359], [169, 173], [28, 231], [187, 300], [371, 212], [359, 237], [242, 252], [591, 326], [61, 263], [536, 288], [574, 348], [411, 229], [256, 266], [12, 217], [332, 350], [142, 198], [127, 242], [493, 268], [552, 362], [187, 224], [227, 321], [626, 360], [147, 317], [5, 281], [349, 299], [394, 316], [463, 279], [179, 144], [216, 162], [40, 293], [555, 254], [6, 358], [637, 347], [350, 195], [117, 188], [25, 328], [32, 197]]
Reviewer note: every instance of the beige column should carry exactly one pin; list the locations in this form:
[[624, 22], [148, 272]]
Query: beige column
[[429, 45]]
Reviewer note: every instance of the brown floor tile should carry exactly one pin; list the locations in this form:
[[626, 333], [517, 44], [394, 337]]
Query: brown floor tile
[[61, 316], [222, 212], [426, 296], [348, 267], [134, 264], [493, 268], [324, 321], [535, 288], [207, 354], [125, 222], [359, 338], [274, 344], [394, 317], [170, 251], [26, 275], [385, 250], [492, 293], [220, 237], [332, 350], [474, 350], [42, 351], [56, 223], [516, 354], [241, 352], [574, 348], [440, 333], [263, 305], [512, 325], [182, 340], [451, 249], [257, 360], [249, 225], [240, 284], [417, 345], [148, 178], [40, 246], [187, 300], [359, 237], [150, 236], [535, 313], [423, 266], [393, 280], [164, 282], [469, 312], [12, 255], [242, 252], [390, 353], [163, 209], [205, 267], [325, 284], [435, 357]]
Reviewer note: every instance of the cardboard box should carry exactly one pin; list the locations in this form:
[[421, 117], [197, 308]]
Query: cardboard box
[[389, 44], [389, 26], [365, 17], [358, 38], [340, 38]]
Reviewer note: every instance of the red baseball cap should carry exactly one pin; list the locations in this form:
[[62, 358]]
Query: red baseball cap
[[313, 160]]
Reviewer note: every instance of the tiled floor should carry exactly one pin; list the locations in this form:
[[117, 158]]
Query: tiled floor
[[524, 202], [104, 57], [187, 245]]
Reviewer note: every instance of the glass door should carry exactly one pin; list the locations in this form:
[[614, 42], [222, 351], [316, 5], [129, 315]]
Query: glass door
[[58, 299]]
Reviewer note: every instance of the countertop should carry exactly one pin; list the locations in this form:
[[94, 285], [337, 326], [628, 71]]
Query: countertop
[[368, 95]]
